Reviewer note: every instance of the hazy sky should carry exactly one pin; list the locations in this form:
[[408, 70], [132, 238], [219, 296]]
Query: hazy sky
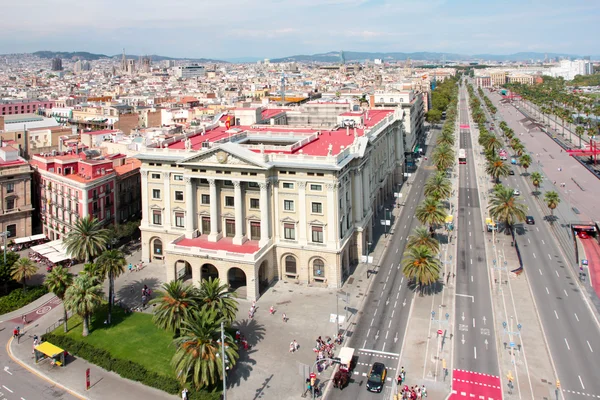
[[276, 28]]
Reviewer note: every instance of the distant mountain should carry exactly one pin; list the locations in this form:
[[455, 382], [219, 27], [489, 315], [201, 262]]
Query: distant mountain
[[242, 60], [84, 55], [334, 56]]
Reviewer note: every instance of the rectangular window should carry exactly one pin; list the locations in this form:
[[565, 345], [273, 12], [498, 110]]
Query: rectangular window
[[156, 194], [10, 188], [254, 230], [205, 199], [10, 204], [156, 217], [316, 188], [288, 205], [229, 202], [288, 185], [155, 176], [317, 234], [178, 195], [178, 178], [179, 219], [252, 184], [205, 225], [230, 227], [255, 203], [289, 231], [317, 208], [12, 230]]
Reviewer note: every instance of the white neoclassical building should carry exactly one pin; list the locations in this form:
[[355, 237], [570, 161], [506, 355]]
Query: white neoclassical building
[[252, 204]]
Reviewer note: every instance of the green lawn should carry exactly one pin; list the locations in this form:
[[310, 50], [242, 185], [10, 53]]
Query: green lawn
[[131, 337]]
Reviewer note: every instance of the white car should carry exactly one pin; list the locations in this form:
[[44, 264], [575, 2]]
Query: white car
[[516, 192]]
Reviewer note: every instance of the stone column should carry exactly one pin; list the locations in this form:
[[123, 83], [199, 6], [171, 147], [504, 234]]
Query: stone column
[[189, 208], [366, 203], [264, 214], [239, 214], [332, 211], [167, 200], [214, 212], [302, 220], [358, 195], [276, 222]]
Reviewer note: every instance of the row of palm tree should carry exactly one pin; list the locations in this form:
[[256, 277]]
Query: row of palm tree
[[420, 263]]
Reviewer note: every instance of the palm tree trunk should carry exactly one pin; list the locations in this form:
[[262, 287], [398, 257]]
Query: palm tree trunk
[[86, 326], [65, 316], [111, 283], [24, 284]]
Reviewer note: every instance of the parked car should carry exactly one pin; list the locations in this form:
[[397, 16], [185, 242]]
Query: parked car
[[529, 220], [511, 172], [516, 192], [513, 161], [376, 378]]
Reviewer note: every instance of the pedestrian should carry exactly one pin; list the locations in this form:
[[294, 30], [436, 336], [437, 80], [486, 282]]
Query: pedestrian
[[424, 391], [399, 380], [291, 347], [284, 317], [403, 373], [24, 319], [184, 394], [447, 278], [453, 275], [296, 345], [130, 267], [272, 310]]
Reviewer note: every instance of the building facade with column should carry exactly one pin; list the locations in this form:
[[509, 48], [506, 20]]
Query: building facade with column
[[16, 209], [252, 204]]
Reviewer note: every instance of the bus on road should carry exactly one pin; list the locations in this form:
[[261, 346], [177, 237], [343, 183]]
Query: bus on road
[[462, 156]]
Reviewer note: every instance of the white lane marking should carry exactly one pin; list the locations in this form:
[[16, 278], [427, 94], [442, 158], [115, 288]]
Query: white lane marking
[[392, 314], [365, 345], [469, 222], [398, 294], [576, 317], [473, 322], [372, 321], [588, 342], [555, 313], [475, 352], [557, 274], [547, 291], [383, 348], [538, 229], [7, 389], [470, 247], [396, 302], [580, 381], [549, 256], [567, 294], [528, 241], [534, 255], [471, 278], [404, 226], [469, 234], [387, 332], [375, 313], [368, 332], [401, 280], [543, 241], [567, 344], [471, 261], [540, 271]]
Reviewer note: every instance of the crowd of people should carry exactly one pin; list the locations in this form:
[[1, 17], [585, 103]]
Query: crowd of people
[[414, 392], [324, 349], [44, 262]]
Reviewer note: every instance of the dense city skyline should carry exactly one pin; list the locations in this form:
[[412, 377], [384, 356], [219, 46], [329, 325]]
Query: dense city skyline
[[274, 29]]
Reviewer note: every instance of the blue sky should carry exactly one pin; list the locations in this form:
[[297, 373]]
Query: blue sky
[[276, 28]]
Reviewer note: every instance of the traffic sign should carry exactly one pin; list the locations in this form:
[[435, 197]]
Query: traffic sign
[[440, 331], [512, 344]]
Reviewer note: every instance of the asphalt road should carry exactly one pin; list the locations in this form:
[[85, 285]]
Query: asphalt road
[[571, 331], [16, 383], [474, 336], [380, 331]]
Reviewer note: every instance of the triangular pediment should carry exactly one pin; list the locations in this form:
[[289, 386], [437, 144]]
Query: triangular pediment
[[316, 222], [288, 220], [227, 154]]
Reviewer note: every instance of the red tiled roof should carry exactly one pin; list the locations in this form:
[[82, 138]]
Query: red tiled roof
[[270, 113], [129, 165], [11, 163]]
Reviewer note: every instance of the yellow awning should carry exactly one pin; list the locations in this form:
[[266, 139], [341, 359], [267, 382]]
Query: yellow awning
[[489, 221], [449, 219], [49, 349]]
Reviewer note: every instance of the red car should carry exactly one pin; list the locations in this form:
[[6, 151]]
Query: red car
[[583, 235]]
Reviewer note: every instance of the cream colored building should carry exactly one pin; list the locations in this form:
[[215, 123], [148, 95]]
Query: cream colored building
[[521, 78], [15, 188], [254, 204]]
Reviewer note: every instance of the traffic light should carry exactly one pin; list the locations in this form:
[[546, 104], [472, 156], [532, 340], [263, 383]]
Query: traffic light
[[557, 384]]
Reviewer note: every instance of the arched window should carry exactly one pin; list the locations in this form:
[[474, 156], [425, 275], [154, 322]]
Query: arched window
[[290, 265], [158, 247], [318, 268]]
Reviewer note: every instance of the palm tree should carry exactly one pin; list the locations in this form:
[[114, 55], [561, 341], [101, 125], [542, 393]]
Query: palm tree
[[446, 137], [174, 304], [536, 179], [526, 161], [505, 207], [579, 131], [438, 186], [497, 168], [198, 355], [87, 239], [22, 270], [213, 295], [420, 264], [431, 212], [83, 297], [492, 143], [111, 264], [552, 200], [421, 237], [57, 282], [443, 157]]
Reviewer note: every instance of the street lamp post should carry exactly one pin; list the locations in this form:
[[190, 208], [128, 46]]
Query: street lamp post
[[223, 361], [4, 236]]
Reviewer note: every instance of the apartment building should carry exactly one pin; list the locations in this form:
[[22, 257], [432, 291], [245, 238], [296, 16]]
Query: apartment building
[[70, 186], [15, 188], [483, 81], [251, 204], [18, 106], [521, 78]]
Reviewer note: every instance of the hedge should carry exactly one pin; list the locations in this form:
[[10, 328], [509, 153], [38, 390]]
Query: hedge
[[19, 298], [125, 368]]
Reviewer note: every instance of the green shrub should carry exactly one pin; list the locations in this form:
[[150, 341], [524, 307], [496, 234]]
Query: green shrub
[[125, 368], [19, 298]]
